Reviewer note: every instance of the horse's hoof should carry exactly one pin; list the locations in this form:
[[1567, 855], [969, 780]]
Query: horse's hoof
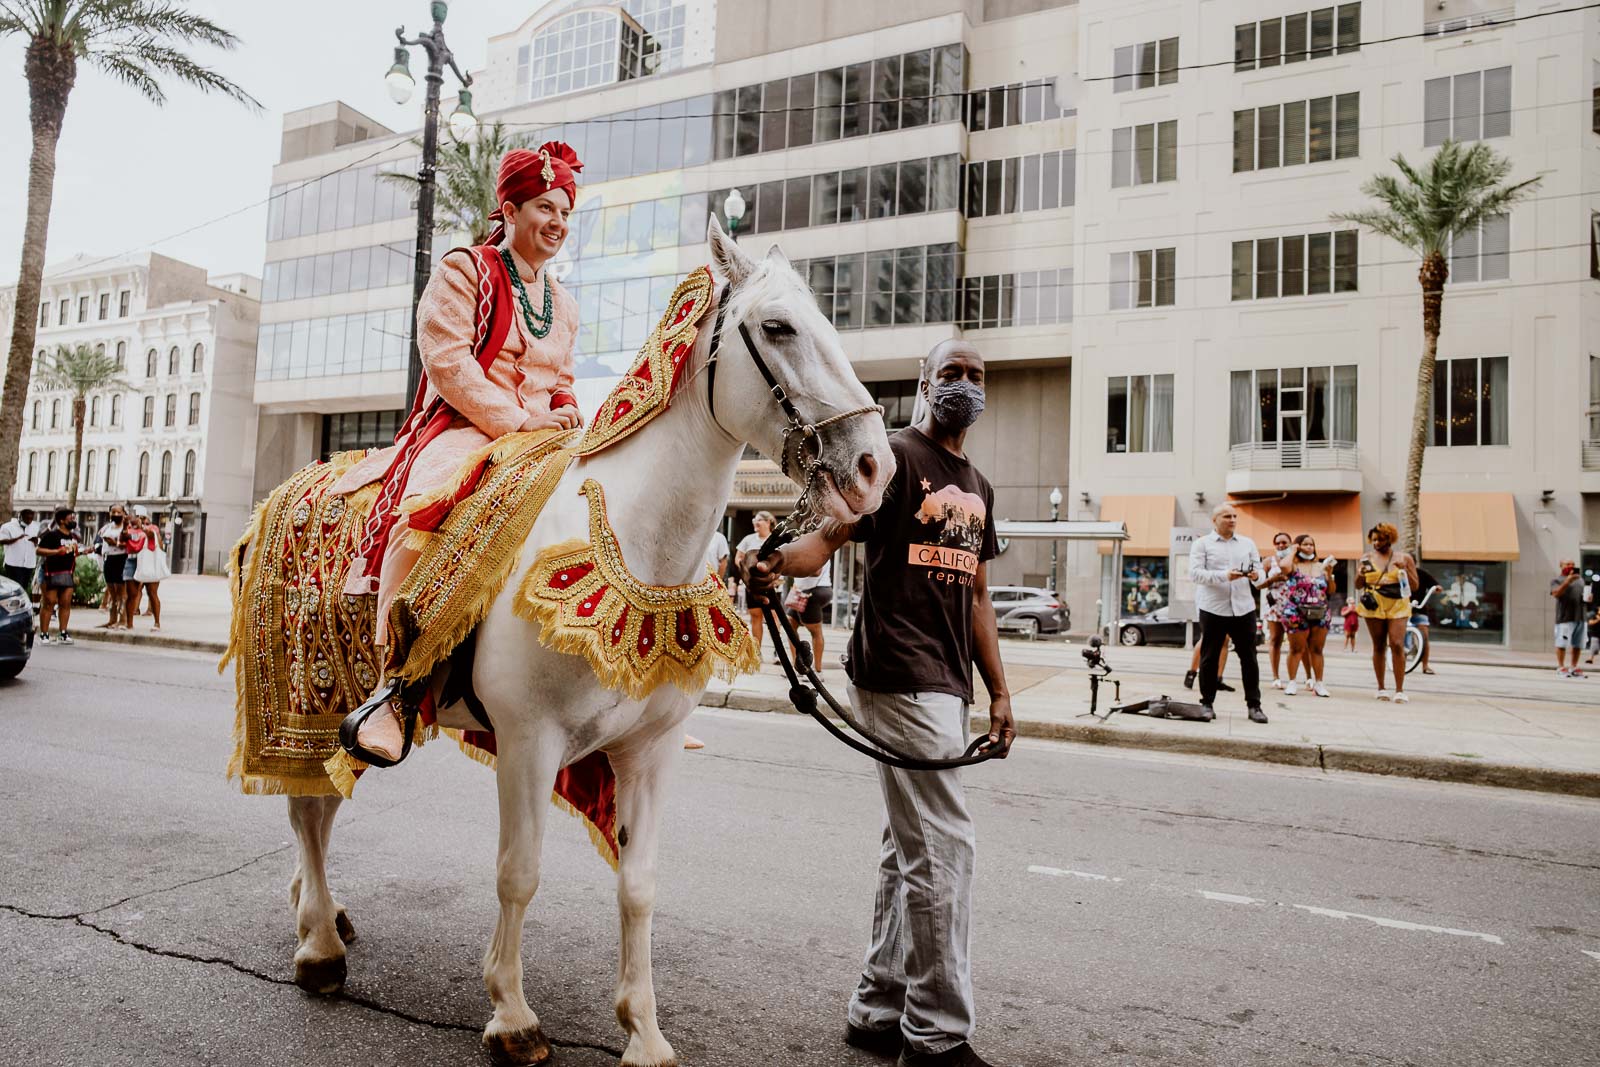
[[654, 1053], [520, 1049], [347, 930], [322, 977]]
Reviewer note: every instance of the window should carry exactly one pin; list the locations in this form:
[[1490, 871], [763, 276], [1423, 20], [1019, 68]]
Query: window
[[1013, 105], [33, 469], [1022, 183], [150, 364], [61, 312], [1139, 413], [1593, 413], [197, 359], [1144, 66], [1295, 38], [359, 343], [44, 309], [1296, 410], [33, 422], [1483, 253], [194, 409], [144, 474], [49, 472], [116, 410], [94, 411], [55, 414], [1303, 265], [122, 304], [355, 430], [172, 360], [172, 410], [188, 473], [89, 465], [1467, 107], [111, 470], [888, 287], [1470, 401], [1027, 298], [898, 399], [1305, 131], [1144, 584], [1144, 154], [83, 309], [572, 53], [122, 355], [1144, 279], [105, 306], [166, 474], [149, 412]]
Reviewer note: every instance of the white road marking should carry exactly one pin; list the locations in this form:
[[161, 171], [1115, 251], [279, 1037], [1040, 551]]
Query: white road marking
[[1229, 898], [1586, 952], [1399, 924], [1058, 872]]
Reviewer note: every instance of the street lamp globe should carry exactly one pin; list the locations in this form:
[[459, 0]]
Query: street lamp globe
[[399, 79], [462, 121], [1055, 498], [733, 208]]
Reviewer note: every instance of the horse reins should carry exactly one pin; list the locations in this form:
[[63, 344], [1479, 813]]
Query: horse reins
[[802, 695]]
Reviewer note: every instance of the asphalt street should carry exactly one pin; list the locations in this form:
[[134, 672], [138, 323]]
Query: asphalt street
[[1131, 908]]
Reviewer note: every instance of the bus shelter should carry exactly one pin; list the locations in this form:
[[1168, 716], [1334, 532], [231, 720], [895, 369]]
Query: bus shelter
[[1059, 530]]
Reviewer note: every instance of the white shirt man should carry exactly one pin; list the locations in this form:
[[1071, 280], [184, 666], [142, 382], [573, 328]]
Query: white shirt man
[[1222, 565], [21, 557], [717, 554]]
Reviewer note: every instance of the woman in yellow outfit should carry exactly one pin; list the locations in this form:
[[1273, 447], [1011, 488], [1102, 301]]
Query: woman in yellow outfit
[[1385, 578]]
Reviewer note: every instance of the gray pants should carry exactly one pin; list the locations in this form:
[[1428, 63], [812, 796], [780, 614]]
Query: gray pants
[[918, 973]]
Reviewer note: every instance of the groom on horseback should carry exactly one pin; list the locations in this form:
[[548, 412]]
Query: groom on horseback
[[496, 334]]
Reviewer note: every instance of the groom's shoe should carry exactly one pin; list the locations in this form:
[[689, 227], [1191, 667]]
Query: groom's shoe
[[884, 1042]]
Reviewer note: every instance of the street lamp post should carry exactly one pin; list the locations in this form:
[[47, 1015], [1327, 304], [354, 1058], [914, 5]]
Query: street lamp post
[[1055, 516], [462, 123]]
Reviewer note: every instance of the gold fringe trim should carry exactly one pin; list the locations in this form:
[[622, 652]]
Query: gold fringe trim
[[418, 540], [596, 838], [500, 450], [342, 768]]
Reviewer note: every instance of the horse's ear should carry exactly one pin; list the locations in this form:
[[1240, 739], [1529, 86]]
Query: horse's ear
[[726, 255], [776, 255]]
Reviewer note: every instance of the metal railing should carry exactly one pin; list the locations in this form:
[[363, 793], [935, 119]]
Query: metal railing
[[1471, 21], [1295, 455], [1591, 454]]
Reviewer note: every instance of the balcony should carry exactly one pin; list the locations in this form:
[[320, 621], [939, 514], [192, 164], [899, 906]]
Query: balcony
[[1591, 454], [1295, 467], [1466, 21]]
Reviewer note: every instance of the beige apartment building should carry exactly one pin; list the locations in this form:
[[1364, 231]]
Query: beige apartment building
[[1233, 343]]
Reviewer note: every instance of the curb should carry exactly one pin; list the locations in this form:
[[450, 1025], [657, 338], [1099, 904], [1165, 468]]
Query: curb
[[1288, 753]]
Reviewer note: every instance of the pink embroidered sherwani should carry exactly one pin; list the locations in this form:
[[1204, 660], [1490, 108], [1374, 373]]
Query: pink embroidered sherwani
[[488, 404]]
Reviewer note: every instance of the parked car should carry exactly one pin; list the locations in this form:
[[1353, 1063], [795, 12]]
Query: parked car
[[1157, 628], [1027, 610], [16, 628]]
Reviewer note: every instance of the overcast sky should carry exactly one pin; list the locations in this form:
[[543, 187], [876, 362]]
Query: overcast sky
[[129, 175]]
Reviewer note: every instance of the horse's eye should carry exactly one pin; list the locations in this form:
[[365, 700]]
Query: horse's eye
[[776, 328]]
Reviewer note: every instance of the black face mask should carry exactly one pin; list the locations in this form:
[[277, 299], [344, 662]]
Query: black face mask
[[956, 405]]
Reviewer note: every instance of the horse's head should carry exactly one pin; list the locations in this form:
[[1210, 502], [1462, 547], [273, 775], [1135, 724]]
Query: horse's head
[[801, 349]]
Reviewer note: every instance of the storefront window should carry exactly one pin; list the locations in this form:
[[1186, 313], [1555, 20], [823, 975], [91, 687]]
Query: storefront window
[[1470, 606], [1144, 584]]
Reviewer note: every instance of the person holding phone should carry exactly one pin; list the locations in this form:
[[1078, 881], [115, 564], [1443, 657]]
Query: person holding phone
[[1226, 568], [59, 548], [1384, 580], [1304, 585]]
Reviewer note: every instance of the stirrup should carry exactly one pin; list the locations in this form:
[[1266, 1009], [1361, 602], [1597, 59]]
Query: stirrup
[[352, 725]]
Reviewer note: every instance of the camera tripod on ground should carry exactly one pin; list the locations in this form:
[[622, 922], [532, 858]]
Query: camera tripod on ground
[[1161, 707]]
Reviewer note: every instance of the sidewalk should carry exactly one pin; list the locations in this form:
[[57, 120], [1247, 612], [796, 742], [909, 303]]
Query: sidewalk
[[1490, 721]]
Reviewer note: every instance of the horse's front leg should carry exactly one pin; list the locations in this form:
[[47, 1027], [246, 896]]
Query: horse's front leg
[[641, 778], [525, 774], [319, 959]]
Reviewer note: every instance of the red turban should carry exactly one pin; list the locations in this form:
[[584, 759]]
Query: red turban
[[525, 174]]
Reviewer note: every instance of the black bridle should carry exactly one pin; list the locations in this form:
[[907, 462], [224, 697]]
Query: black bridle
[[802, 695]]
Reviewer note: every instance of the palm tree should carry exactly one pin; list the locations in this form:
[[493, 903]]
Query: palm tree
[[468, 169], [136, 42], [80, 371], [1459, 188]]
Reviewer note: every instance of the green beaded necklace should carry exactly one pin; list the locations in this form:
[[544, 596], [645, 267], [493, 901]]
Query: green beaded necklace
[[528, 317]]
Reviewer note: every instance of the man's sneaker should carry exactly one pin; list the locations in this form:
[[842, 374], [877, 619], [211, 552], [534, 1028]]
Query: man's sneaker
[[1188, 679], [1562, 672], [960, 1056], [884, 1042], [1577, 673], [1210, 712], [65, 638], [1291, 688], [1223, 687]]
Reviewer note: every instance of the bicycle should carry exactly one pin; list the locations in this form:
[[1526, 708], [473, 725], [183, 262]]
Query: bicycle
[[1413, 639]]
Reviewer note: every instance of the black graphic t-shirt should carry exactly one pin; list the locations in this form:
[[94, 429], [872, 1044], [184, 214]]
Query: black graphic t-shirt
[[914, 633], [54, 538]]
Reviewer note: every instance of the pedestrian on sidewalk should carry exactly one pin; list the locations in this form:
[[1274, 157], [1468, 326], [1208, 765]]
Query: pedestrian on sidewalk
[[1271, 590], [744, 561], [1305, 585], [925, 617], [59, 548], [1349, 616], [18, 535], [1594, 634], [133, 539], [1385, 577], [1194, 668], [114, 565], [1224, 566], [1567, 589], [807, 604]]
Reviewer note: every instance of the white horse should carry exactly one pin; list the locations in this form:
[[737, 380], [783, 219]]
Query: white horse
[[666, 486]]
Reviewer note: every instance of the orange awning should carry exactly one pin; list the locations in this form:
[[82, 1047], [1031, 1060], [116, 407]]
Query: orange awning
[[1468, 526], [1149, 522], [1334, 519]]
